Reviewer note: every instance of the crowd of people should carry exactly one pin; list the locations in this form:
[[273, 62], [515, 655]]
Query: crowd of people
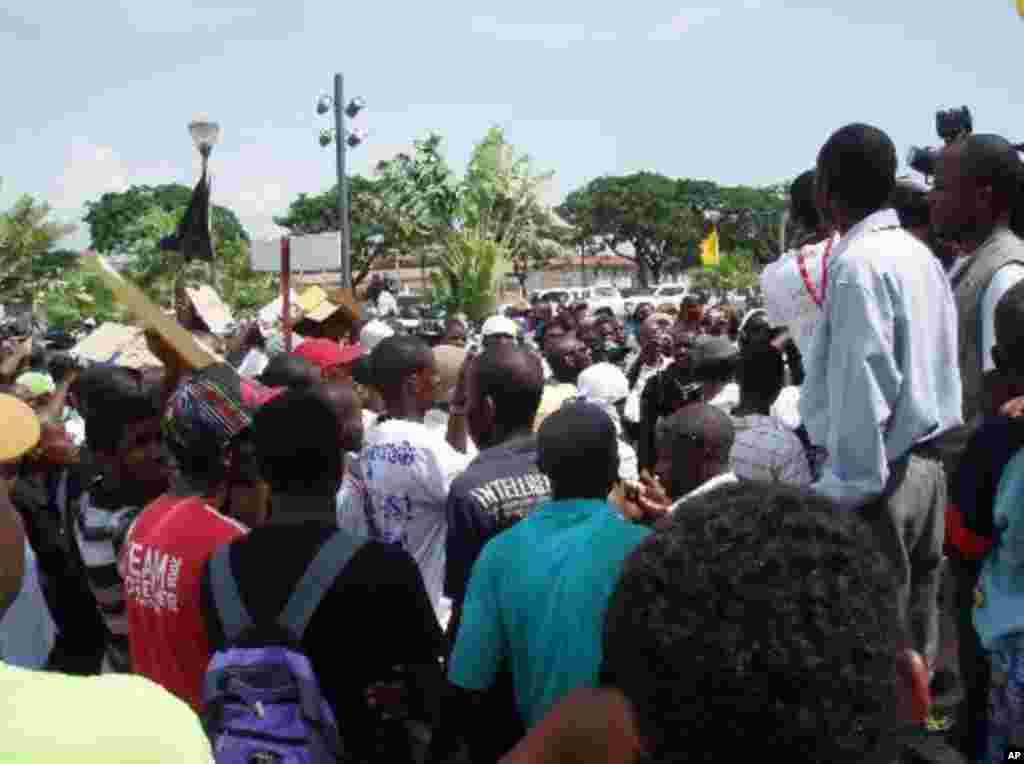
[[558, 536]]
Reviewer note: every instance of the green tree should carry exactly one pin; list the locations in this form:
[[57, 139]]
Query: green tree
[[112, 217], [644, 217], [502, 201], [378, 229], [735, 272], [471, 268], [132, 224], [28, 262], [78, 295]]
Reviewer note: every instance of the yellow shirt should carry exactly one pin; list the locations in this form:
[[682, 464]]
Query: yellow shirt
[[51, 717]]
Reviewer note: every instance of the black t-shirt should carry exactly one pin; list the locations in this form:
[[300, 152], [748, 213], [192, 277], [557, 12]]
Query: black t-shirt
[[376, 615], [500, 487]]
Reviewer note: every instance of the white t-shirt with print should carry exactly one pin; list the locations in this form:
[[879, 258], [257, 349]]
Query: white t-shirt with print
[[408, 469]]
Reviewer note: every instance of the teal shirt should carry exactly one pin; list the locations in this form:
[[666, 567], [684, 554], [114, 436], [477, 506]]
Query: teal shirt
[[537, 598], [1001, 610]]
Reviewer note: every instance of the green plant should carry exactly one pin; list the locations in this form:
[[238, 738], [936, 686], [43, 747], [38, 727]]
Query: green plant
[[470, 269]]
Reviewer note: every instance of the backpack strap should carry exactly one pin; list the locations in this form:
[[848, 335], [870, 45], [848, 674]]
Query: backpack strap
[[317, 581], [227, 600]]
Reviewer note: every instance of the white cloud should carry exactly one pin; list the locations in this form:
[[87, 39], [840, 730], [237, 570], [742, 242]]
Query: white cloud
[[550, 35], [682, 22]]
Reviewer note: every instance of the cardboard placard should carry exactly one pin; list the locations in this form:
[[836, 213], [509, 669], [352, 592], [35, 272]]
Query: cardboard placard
[[118, 344], [193, 354], [211, 308]]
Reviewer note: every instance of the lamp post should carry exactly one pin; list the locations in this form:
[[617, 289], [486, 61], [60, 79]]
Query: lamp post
[[343, 140], [205, 135]]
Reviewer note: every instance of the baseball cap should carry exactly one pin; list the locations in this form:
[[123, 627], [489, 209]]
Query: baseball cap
[[714, 350], [21, 428], [603, 382], [500, 325], [327, 353], [373, 333], [36, 383]]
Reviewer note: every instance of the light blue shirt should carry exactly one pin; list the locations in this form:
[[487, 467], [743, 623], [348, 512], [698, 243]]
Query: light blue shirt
[[1001, 610], [27, 631], [537, 598], [883, 372]]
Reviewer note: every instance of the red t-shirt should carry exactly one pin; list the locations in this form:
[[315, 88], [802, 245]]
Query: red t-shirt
[[161, 564]]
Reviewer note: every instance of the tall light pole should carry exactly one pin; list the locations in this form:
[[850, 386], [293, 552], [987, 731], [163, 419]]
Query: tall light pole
[[343, 140]]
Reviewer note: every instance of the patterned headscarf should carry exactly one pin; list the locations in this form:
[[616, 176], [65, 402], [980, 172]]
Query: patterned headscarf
[[205, 413]]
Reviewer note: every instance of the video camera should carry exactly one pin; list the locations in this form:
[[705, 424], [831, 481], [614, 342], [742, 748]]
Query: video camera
[[951, 125]]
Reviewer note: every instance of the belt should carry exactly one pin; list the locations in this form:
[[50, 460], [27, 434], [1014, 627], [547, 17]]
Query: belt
[[930, 449]]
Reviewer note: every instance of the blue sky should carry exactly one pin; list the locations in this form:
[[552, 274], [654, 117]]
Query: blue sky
[[98, 94]]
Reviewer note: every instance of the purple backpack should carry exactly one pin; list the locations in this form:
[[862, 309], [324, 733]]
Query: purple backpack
[[263, 702]]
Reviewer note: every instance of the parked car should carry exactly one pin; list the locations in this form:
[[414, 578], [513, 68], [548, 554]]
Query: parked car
[[673, 293]]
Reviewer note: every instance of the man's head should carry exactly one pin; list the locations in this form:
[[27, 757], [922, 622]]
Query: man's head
[[643, 312], [291, 371], [455, 332], [296, 438], [202, 418], [683, 340], [910, 200], [801, 203], [855, 174], [404, 373], [123, 432], [504, 386], [714, 360], [499, 330], [568, 357], [692, 447], [605, 385], [760, 612], [761, 373], [654, 334], [349, 410], [333, 360], [1008, 352], [578, 451], [977, 187], [20, 435], [715, 322]]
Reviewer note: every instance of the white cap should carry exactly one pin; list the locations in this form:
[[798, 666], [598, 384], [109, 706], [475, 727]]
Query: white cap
[[500, 325], [373, 333], [603, 382]]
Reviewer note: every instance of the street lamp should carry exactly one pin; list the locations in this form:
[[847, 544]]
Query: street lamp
[[205, 135], [342, 140]]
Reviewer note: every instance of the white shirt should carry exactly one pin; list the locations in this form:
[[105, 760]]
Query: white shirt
[[787, 407], [726, 478], [27, 632], [1002, 281], [767, 451], [727, 399], [883, 372], [387, 305], [632, 409], [787, 300], [407, 470]]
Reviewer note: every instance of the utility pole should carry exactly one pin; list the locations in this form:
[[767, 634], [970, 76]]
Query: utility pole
[[341, 142]]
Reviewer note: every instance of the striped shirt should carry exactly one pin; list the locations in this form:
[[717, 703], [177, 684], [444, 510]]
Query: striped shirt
[[100, 527]]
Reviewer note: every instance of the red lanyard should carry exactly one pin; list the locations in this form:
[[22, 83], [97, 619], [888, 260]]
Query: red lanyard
[[819, 300]]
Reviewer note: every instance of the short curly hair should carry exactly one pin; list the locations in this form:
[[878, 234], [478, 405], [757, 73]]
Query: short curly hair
[[761, 614]]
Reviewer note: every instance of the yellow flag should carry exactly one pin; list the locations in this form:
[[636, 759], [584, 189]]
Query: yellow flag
[[1020, 7], [709, 247]]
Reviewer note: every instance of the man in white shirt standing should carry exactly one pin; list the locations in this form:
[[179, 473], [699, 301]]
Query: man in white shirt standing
[[407, 467], [882, 375]]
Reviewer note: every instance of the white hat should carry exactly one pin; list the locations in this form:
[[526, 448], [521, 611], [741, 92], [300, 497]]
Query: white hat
[[373, 333], [603, 382], [500, 325]]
